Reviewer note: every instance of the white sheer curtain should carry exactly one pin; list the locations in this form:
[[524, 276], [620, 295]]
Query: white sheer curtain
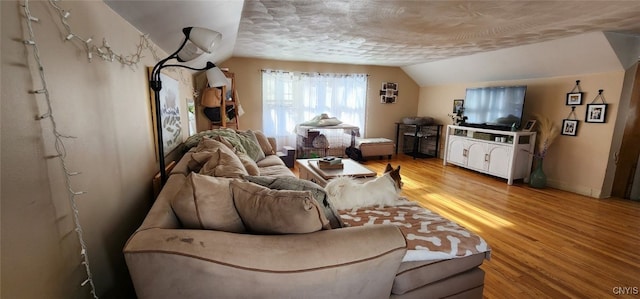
[[290, 98]]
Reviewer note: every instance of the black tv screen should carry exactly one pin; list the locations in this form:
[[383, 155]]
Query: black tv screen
[[494, 107]]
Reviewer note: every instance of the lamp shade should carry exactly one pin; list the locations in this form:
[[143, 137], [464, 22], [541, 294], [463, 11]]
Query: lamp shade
[[217, 78], [189, 52], [204, 38]]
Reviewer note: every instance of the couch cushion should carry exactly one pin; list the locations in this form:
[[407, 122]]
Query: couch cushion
[[241, 142], [267, 211], [276, 170], [248, 163], [413, 275], [205, 202], [228, 165], [225, 141], [267, 149], [270, 161], [251, 145], [216, 159], [296, 184], [208, 144]]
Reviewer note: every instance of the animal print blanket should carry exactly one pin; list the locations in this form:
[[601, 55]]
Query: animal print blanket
[[429, 236]]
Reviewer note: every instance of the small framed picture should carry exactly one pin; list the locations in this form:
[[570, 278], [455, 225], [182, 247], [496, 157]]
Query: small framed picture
[[574, 98], [389, 86], [570, 127], [529, 125], [388, 99], [596, 113], [457, 105]]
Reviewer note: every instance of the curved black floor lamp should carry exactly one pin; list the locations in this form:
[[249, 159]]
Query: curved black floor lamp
[[199, 39]]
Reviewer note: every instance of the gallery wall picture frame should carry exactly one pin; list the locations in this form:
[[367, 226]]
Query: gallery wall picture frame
[[388, 100], [596, 113], [457, 105], [569, 127], [574, 98], [389, 86], [389, 93], [529, 125]]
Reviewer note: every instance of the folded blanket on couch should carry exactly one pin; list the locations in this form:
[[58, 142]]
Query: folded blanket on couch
[[429, 236]]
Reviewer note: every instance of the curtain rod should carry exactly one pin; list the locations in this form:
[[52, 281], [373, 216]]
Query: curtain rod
[[311, 73]]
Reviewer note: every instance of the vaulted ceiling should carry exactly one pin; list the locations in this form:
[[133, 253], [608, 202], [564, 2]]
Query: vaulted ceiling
[[419, 36]]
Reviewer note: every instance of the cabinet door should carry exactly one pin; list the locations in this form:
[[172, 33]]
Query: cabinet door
[[499, 156], [456, 151], [476, 156]]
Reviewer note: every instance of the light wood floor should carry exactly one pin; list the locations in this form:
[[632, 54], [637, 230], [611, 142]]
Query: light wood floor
[[546, 243]]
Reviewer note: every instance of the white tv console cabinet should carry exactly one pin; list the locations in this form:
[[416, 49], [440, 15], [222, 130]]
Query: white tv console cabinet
[[503, 154]]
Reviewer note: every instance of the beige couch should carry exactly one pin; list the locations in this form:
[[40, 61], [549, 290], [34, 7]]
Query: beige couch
[[166, 260]]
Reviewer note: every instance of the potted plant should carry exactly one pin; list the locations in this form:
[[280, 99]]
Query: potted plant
[[547, 133]]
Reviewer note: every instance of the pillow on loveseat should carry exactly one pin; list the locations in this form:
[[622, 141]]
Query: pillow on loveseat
[[205, 202], [267, 211], [296, 184]]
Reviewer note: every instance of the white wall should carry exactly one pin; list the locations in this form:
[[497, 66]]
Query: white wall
[[577, 164], [107, 107]]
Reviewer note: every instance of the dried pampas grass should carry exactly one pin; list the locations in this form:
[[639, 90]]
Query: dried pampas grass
[[547, 133]]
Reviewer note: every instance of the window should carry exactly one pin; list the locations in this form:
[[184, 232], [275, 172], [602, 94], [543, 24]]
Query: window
[[290, 98]]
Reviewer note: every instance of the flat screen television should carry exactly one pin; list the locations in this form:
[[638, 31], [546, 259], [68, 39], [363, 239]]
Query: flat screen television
[[494, 107]]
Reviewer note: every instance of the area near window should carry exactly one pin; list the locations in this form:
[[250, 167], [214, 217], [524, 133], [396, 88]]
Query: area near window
[[290, 98]]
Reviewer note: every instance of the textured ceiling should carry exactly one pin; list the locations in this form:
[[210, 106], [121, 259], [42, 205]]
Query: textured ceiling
[[433, 41], [402, 33]]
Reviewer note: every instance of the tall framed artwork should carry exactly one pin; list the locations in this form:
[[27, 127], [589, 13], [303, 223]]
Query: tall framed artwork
[[170, 113]]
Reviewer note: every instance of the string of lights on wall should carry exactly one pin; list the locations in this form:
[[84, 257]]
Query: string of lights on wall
[[106, 53], [103, 51]]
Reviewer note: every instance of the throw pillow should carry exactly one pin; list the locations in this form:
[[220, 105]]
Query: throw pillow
[[205, 202], [248, 163], [228, 133], [228, 165], [251, 145], [225, 141], [208, 144], [213, 158], [267, 149], [200, 158], [267, 211], [296, 184]]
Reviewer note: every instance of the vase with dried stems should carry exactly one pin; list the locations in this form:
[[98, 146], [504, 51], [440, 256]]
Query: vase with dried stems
[[547, 133]]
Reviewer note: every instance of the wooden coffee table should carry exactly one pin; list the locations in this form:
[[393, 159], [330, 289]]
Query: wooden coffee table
[[309, 170]]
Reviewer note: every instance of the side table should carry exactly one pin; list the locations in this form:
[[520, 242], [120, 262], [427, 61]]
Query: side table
[[287, 155]]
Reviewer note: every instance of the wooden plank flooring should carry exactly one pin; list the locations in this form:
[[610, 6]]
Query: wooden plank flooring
[[546, 243]]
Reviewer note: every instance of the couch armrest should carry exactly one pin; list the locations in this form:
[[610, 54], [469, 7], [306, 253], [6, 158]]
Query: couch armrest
[[341, 263]]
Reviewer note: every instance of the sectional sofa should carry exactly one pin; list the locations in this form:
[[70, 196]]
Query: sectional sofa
[[221, 229]]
